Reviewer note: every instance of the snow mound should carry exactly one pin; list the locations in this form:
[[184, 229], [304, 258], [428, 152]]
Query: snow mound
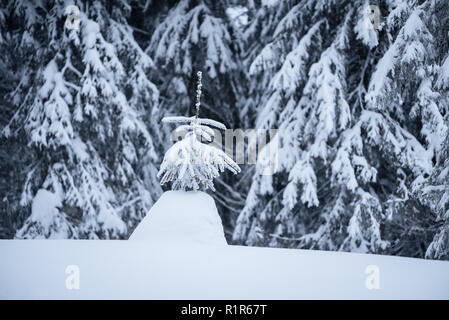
[[182, 217]]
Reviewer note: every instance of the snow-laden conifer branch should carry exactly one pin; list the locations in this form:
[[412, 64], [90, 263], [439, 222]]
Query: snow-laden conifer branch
[[190, 164], [207, 122]]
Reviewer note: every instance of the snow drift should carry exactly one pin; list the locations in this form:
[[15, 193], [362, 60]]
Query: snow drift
[[182, 217]]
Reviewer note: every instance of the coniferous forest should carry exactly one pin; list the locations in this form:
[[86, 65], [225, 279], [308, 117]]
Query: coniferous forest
[[358, 91]]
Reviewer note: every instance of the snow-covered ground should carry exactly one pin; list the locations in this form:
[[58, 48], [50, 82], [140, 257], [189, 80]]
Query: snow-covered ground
[[140, 270], [178, 251]]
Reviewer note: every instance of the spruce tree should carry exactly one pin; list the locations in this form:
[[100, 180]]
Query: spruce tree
[[360, 123], [83, 105]]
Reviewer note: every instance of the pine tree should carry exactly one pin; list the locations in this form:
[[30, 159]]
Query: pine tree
[[81, 103], [354, 139]]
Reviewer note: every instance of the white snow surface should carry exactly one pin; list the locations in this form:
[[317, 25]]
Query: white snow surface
[[108, 269], [179, 251], [182, 217]]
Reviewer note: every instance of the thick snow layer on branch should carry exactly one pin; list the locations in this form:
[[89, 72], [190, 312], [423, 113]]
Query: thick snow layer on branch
[[208, 122], [193, 165], [46, 220], [443, 78], [293, 70], [182, 217]]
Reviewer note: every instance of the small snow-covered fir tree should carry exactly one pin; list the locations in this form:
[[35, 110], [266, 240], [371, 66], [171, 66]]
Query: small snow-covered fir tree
[[190, 35], [189, 163]]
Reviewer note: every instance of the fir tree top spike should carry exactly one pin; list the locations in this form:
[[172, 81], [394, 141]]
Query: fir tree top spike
[[198, 95]]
